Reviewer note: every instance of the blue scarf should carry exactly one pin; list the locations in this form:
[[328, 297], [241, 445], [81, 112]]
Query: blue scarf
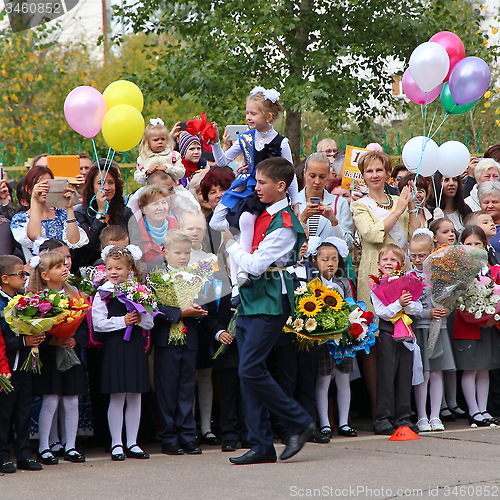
[[157, 233]]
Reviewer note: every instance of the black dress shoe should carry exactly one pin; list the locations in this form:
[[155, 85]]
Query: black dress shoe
[[250, 457], [172, 449], [117, 457], [7, 468], [72, 455], [297, 442], [192, 448], [347, 431], [48, 460], [136, 454], [228, 446], [318, 437], [210, 438], [28, 464], [59, 452]]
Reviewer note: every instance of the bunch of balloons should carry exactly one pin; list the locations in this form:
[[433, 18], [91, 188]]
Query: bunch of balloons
[[117, 111], [423, 156], [439, 68]]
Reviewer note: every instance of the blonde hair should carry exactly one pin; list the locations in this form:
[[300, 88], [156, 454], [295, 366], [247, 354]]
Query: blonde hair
[[198, 215], [266, 105], [392, 247], [119, 253], [48, 259], [149, 193], [324, 143], [176, 236], [144, 148], [423, 237], [485, 165]]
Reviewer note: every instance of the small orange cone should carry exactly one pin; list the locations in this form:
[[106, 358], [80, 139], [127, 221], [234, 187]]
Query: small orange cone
[[404, 433]]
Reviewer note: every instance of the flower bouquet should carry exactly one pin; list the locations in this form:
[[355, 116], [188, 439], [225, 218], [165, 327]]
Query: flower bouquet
[[388, 288], [481, 302], [451, 270], [92, 278], [5, 384], [202, 128], [322, 315], [34, 313], [136, 297], [178, 287]]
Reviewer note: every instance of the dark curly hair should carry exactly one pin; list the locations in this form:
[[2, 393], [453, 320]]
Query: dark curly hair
[[116, 204]]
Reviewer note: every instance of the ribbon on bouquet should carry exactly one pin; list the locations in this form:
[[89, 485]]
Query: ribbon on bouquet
[[131, 307], [402, 328]]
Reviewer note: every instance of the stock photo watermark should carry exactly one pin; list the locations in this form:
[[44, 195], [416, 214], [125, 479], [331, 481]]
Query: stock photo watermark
[[26, 14], [363, 491]]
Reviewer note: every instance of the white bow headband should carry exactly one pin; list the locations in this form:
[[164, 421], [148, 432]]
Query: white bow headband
[[316, 241], [271, 94], [34, 261], [156, 121], [134, 250]]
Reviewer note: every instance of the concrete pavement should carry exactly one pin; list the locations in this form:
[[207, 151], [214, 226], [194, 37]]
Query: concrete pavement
[[459, 463]]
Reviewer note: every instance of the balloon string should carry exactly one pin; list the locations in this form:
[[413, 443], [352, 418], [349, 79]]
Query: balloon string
[[103, 173], [442, 121], [432, 122], [95, 152]]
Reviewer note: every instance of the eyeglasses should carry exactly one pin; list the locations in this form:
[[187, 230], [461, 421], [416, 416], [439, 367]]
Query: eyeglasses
[[20, 273], [329, 152]]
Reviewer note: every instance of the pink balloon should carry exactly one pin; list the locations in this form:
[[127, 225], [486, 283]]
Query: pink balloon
[[452, 44], [413, 92], [84, 109]]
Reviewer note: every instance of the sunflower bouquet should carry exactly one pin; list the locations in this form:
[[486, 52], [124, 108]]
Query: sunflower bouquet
[[178, 287], [322, 315]]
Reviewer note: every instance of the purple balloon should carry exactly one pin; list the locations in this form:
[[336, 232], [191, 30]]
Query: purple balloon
[[413, 92], [469, 80], [84, 109]]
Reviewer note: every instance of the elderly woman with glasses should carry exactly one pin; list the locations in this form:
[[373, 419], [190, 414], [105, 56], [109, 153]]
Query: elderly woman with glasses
[[486, 170]]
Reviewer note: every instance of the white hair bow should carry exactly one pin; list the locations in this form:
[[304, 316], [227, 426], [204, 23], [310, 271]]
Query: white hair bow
[[423, 230], [316, 241], [35, 250], [271, 94], [156, 121], [34, 261], [134, 250]]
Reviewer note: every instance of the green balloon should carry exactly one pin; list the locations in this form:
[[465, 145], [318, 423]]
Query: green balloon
[[449, 104]]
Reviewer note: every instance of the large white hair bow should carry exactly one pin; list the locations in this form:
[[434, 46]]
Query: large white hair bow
[[271, 94], [315, 242], [156, 121]]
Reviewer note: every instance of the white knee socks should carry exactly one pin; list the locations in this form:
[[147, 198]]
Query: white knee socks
[[322, 385], [47, 412], [343, 396]]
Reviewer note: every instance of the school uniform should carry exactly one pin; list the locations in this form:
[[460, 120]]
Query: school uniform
[[124, 363], [15, 407], [394, 369], [264, 308]]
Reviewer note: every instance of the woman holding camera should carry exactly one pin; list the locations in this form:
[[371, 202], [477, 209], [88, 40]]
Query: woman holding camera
[[43, 221]]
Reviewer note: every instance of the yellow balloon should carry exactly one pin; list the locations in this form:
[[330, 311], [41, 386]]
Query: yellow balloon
[[123, 92], [122, 127]]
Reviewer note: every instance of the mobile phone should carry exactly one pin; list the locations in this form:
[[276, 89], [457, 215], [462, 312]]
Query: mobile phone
[[235, 130], [182, 125], [315, 200], [55, 196]]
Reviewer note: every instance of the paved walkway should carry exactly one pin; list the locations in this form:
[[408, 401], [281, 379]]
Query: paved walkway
[[459, 463]]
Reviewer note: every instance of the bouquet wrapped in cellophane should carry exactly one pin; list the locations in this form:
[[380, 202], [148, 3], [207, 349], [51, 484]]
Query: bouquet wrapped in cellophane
[[480, 302], [136, 297], [388, 289], [322, 315], [34, 313], [178, 287], [451, 270]]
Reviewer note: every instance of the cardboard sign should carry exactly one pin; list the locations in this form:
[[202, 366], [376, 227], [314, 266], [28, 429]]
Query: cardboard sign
[[352, 178]]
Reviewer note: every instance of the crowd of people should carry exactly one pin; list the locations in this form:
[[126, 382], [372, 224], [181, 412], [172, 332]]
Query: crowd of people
[[272, 227]]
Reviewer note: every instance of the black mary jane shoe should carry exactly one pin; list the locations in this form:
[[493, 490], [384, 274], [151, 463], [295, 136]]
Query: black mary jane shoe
[[446, 415], [478, 422], [59, 452], [210, 438], [49, 460], [326, 430], [141, 455], [74, 456], [492, 421], [117, 457], [347, 431]]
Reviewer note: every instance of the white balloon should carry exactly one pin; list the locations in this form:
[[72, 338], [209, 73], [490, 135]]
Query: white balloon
[[421, 155], [454, 158], [429, 65]]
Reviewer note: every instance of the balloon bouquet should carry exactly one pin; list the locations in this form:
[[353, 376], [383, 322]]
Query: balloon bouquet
[[439, 68], [117, 112]]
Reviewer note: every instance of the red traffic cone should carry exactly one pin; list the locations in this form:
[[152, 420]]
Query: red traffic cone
[[404, 433]]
